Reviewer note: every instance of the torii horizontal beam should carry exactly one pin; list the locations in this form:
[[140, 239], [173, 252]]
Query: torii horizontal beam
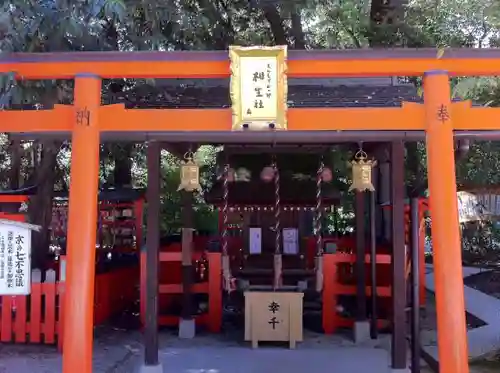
[[215, 64], [116, 120]]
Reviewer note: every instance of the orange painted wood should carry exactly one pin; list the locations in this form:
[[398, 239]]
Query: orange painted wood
[[382, 291], [176, 256], [60, 323], [14, 217], [11, 198], [332, 288], [478, 118], [82, 223], [447, 246], [20, 324], [197, 288], [329, 313], [351, 258], [49, 322], [214, 321], [115, 118], [35, 325], [60, 119], [6, 327], [215, 64]]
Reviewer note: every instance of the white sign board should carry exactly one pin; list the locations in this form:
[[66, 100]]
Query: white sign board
[[259, 86], [255, 244], [290, 241], [15, 257]]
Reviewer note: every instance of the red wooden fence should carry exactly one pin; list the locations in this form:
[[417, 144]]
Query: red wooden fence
[[333, 287], [37, 318]]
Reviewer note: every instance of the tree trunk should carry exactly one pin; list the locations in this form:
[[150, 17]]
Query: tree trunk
[[40, 206], [122, 173], [299, 39], [15, 164], [275, 22]]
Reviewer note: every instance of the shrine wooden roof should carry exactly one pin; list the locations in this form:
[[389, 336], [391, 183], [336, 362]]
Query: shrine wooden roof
[[192, 96]]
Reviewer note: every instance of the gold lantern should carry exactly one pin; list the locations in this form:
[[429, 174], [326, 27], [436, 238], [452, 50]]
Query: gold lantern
[[362, 172], [190, 174]]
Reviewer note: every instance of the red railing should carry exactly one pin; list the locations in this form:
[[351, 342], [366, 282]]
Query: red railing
[[334, 286], [38, 317], [171, 285]]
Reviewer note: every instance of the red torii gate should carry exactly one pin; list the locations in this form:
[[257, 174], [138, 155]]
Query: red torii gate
[[87, 122]]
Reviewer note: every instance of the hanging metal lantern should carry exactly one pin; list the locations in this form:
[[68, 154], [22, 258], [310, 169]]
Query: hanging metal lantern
[[190, 174], [362, 172]]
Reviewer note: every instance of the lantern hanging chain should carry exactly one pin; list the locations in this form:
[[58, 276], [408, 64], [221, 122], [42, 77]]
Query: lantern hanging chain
[[277, 208], [225, 209], [319, 209]]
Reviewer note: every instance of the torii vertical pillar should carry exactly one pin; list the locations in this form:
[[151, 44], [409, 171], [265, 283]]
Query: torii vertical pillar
[[82, 225], [452, 333]]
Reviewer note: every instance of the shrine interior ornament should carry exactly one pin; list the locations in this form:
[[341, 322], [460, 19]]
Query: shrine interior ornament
[[259, 88], [362, 168], [190, 174]]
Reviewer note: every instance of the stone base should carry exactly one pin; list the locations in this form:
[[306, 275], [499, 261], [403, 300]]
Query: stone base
[[187, 329], [361, 331], [151, 369]]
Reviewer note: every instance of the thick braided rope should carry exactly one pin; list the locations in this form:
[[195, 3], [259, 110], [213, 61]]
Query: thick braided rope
[[319, 211], [277, 210]]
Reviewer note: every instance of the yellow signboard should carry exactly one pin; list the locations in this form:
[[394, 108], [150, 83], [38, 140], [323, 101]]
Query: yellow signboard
[[259, 87]]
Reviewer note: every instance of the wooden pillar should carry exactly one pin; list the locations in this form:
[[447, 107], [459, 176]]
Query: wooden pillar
[[452, 333], [399, 345], [152, 255], [82, 225], [385, 195], [187, 253], [415, 220], [360, 269]]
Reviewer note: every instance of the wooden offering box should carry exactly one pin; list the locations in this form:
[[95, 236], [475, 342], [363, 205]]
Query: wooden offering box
[[273, 317]]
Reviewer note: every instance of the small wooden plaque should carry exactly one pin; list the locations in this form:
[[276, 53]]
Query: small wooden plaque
[[273, 317]]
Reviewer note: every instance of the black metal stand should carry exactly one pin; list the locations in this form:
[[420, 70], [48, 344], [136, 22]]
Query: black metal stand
[[415, 286], [399, 342], [361, 314], [152, 258]]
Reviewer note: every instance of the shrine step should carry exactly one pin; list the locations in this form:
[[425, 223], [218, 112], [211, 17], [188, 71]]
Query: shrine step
[[270, 272], [291, 288]]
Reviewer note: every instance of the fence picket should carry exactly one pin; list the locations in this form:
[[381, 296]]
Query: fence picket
[[38, 317], [6, 328], [35, 306], [49, 290], [21, 320]]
